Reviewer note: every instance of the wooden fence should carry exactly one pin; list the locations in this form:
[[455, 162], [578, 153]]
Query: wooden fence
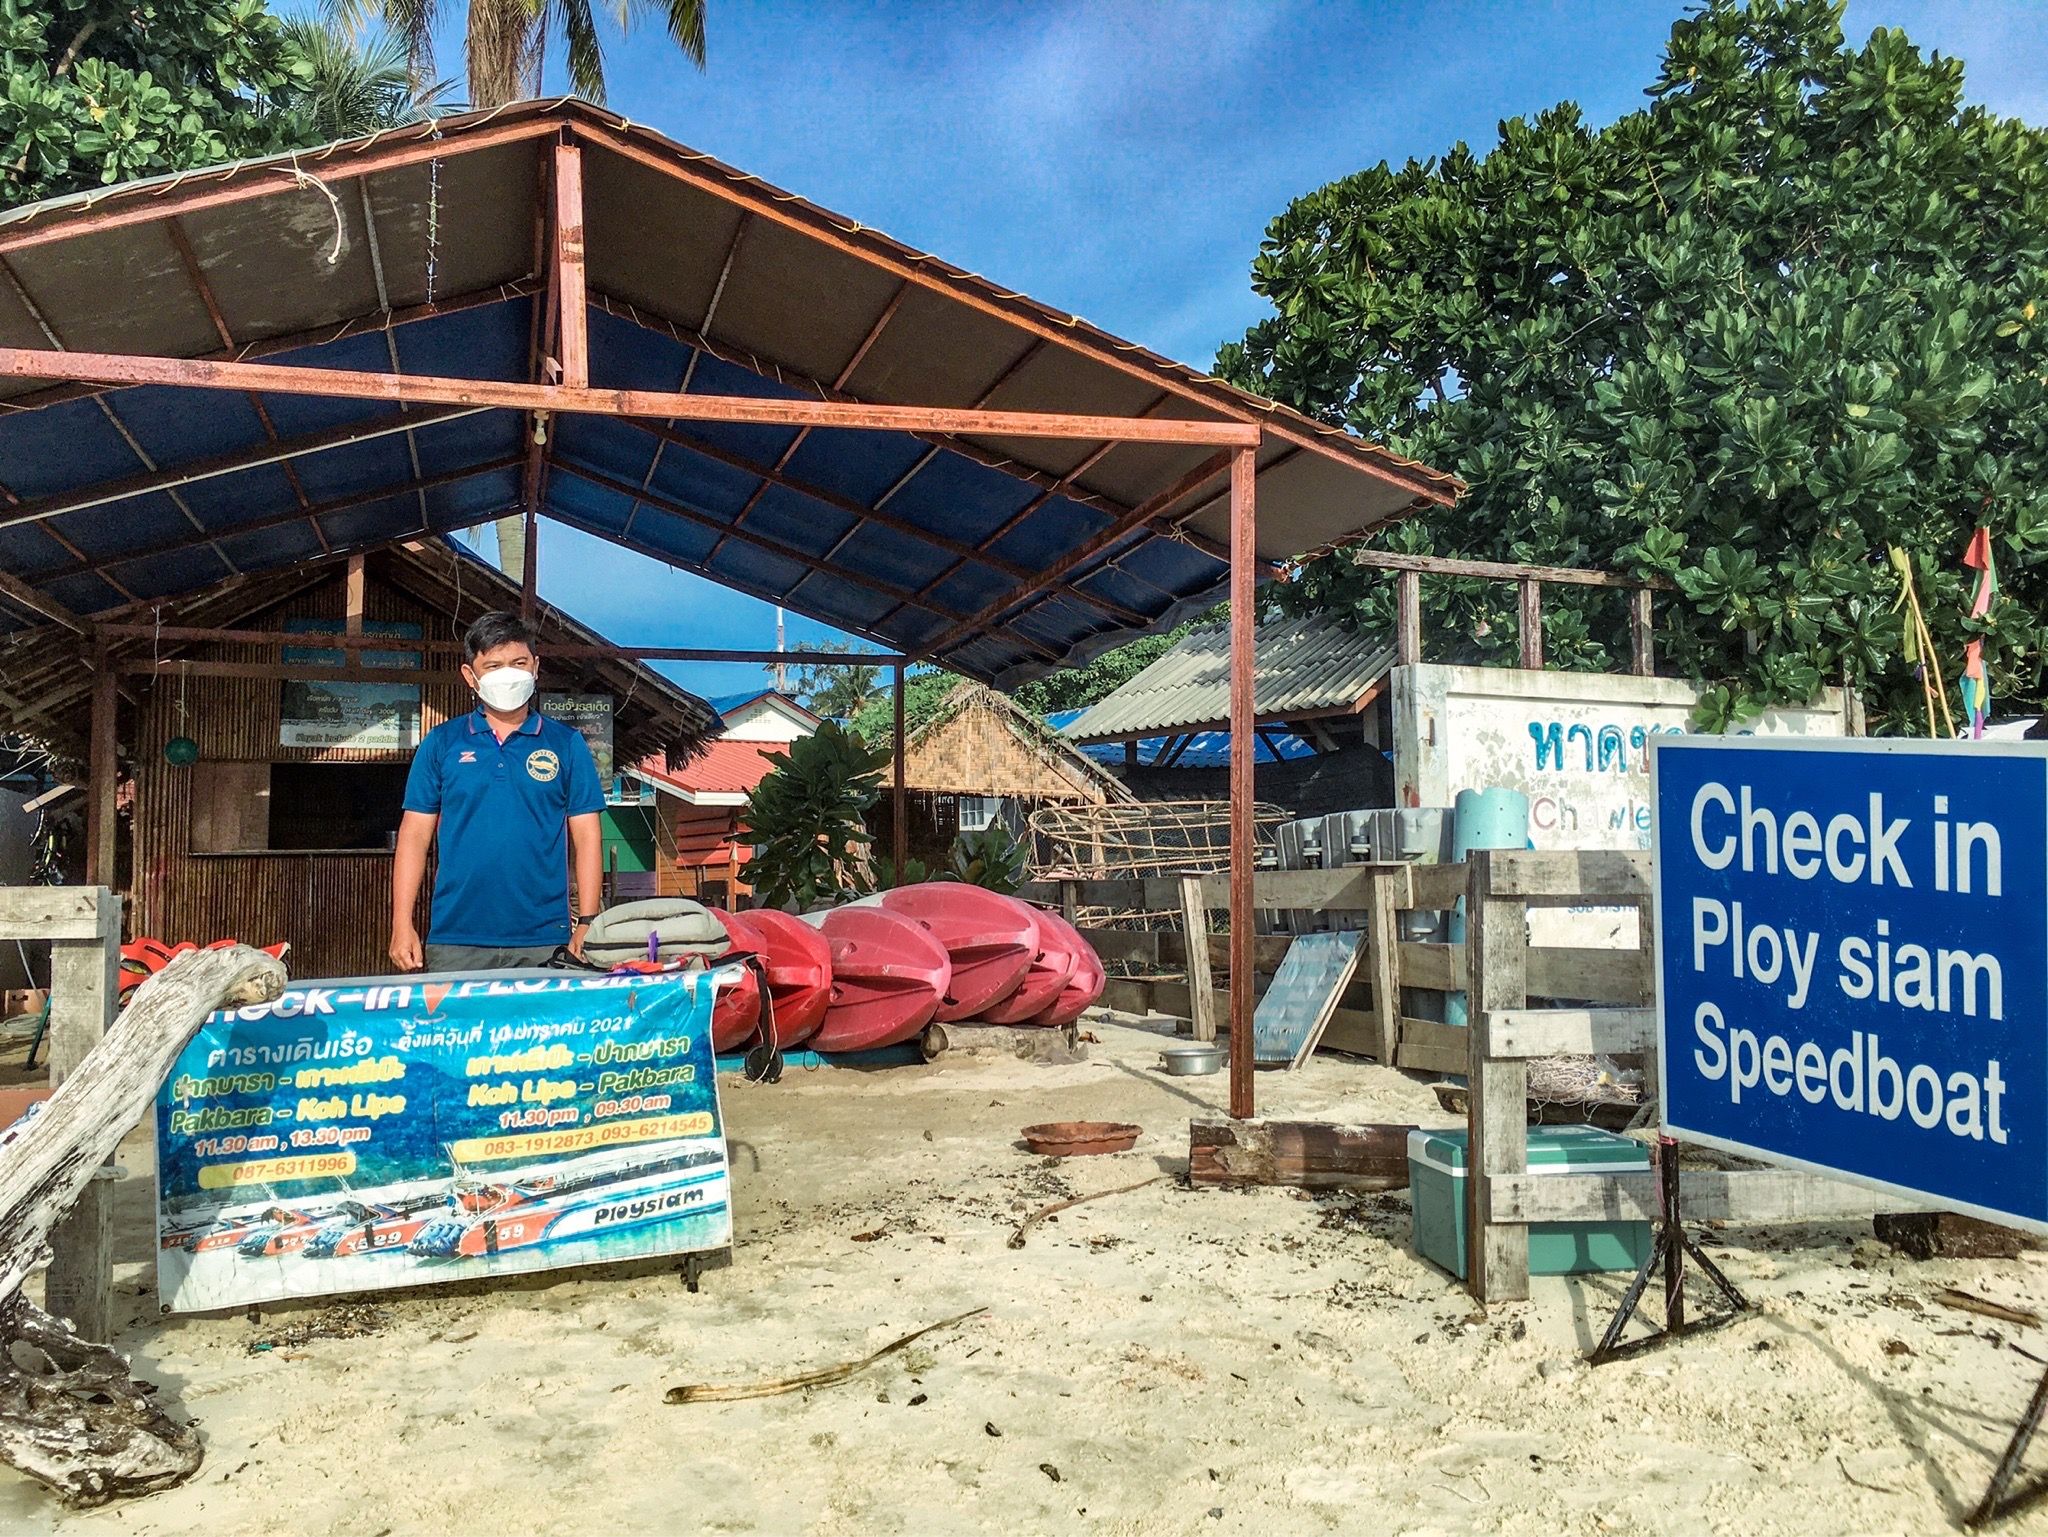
[[1611, 993]]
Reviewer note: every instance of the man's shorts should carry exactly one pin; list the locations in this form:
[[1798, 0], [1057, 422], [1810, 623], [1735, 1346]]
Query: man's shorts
[[484, 957]]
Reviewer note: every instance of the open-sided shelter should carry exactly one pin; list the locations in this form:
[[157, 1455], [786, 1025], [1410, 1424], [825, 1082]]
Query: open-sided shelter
[[549, 311]]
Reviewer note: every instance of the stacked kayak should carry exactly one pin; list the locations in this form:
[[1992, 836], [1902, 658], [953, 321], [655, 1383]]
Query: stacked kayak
[[875, 972]]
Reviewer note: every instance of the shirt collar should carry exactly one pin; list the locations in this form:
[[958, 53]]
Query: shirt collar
[[528, 727]]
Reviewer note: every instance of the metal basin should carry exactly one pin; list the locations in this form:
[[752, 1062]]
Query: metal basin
[[1191, 1061]]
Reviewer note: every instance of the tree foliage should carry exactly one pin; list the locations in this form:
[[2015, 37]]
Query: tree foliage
[[1072, 688], [1785, 317], [835, 690], [98, 93], [808, 820]]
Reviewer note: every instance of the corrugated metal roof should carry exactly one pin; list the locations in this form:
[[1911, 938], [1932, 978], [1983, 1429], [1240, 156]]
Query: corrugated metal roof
[[723, 768], [1204, 750], [1304, 665], [414, 252]]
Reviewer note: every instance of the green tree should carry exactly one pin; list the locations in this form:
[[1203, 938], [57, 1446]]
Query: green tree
[[835, 690], [808, 819], [99, 93], [1748, 338], [1071, 688]]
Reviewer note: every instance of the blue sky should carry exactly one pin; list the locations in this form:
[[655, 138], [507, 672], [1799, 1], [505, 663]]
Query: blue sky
[[1121, 160]]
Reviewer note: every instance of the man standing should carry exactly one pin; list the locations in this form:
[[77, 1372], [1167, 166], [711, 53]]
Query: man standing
[[511, 793]]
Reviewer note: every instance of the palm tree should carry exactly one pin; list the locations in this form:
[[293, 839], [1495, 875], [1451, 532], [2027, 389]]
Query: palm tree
[[357, 88], [505, 47]]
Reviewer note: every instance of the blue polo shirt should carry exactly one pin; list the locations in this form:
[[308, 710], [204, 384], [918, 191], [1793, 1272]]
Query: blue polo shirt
[[503, 879]]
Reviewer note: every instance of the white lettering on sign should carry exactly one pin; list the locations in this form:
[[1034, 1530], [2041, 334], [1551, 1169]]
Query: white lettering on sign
[[1859, 1077]]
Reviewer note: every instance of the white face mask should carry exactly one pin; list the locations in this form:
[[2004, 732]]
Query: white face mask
[[505, 688]]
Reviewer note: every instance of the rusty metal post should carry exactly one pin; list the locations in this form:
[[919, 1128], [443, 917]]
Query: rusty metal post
[[899, 814], [1243, 749]]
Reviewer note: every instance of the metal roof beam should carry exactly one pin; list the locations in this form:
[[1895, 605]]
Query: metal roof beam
[[879, 251], [774, 547], [1143, 513], [283, 519], [775, 371], [223, 464], [424, 389], [182, 244]]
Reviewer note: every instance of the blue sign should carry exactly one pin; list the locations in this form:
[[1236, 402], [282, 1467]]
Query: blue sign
[[400, 1131], [1852, 951]]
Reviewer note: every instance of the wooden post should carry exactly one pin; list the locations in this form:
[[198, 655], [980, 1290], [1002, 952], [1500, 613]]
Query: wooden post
[[1070, 901], [84, 984], [1243, 750], [354, 588], [104, 773], [1194, 922], [899, 800], [1497, 1116], [1530, 592], [1389, 889], [1408, 618], [1642, 644]]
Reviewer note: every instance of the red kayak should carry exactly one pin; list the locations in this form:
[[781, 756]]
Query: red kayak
[[989, 938], [1052, 965], [736, 1012], [798, 961], [1083, 987], [888, 975]]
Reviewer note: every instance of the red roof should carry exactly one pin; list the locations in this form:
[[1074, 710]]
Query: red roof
[[725, 768]]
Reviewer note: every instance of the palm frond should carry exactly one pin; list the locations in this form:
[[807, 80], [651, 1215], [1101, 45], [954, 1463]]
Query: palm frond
[[410, 21], [356, 86], [586, 51], [684, 20]]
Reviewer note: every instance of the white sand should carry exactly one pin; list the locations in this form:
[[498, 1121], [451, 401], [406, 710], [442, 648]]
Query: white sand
[[1281, 1359]]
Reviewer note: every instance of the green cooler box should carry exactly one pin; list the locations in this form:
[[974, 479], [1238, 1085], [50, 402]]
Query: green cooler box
[[1436, 1189]]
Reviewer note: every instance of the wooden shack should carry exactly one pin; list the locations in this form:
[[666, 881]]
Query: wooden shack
[[977, 759], [265, 798]]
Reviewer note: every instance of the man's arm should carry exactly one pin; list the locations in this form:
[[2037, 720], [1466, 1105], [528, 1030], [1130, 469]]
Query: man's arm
[[408, 869], [586, 854]]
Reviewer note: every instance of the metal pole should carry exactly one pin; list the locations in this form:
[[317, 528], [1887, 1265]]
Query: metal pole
[[1243, 749], [899, 816]]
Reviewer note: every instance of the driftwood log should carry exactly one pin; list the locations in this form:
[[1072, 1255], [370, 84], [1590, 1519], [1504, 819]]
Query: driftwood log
[[70, 1415]]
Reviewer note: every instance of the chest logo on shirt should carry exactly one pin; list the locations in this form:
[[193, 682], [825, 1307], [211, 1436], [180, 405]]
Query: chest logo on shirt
[[543, 765], [467, 756]]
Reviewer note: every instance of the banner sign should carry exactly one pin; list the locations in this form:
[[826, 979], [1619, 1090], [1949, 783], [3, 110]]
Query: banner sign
[[399, 1131], [590, 715], [1852, 952], [322, 712]]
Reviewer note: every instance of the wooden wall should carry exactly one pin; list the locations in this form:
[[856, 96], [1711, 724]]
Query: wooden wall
[[335, 908]]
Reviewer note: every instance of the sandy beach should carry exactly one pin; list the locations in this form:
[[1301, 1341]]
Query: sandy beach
[[1165, 1360]]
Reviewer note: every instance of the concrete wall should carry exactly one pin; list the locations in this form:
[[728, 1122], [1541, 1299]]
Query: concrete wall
[[1575, 743]]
